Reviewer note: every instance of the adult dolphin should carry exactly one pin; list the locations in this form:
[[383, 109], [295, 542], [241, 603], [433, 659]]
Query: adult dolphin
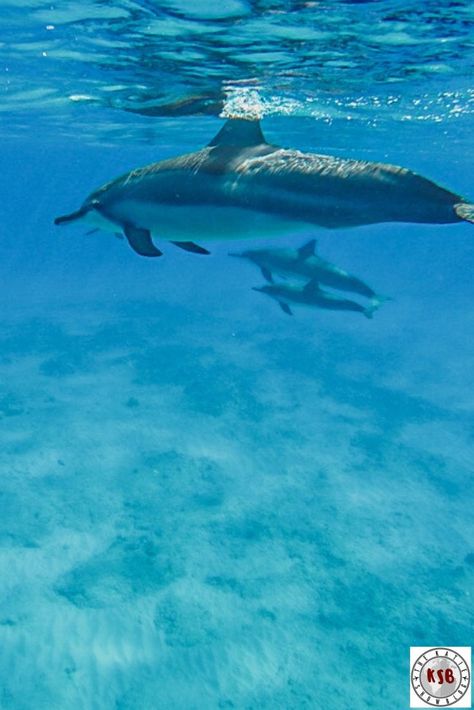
[[241, 186]]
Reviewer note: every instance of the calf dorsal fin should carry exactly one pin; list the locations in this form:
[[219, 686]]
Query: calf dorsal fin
[[239, 132], [311, 287]]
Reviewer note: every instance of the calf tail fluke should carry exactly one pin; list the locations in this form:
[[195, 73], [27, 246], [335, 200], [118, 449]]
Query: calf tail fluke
[[375, 304], [370, 310], [465, 211]]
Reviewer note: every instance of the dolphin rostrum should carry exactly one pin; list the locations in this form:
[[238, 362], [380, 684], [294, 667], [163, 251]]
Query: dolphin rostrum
[[313, 296], [306, 264], [241, 186]]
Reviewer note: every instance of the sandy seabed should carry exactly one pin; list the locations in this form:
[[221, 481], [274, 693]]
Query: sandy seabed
[[196, 512]]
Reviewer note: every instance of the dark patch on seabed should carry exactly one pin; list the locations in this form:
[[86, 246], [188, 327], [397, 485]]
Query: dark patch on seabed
[[205, 502]]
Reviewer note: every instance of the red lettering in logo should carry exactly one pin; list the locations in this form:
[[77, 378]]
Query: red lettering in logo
[[446, 676]]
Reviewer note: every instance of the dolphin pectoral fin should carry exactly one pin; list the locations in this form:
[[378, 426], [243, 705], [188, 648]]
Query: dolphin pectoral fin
[[267, 274], [192, 247], [285, 308], [307, 249], [92, 231], [140, 241]]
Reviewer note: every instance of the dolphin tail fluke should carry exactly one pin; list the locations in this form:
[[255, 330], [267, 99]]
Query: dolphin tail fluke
[[465, 211], [378, 300], [375, 304]]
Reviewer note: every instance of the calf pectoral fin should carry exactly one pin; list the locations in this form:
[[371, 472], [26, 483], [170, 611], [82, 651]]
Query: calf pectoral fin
[[140, 241], [191, 246], [285, 308], [267, 274]]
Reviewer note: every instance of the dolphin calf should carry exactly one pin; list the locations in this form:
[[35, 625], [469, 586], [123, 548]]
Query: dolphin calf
[[305, 263], [313, 296], [241, 186]]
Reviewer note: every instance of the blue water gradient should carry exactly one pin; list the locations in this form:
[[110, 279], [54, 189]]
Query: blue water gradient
[[204, 503]]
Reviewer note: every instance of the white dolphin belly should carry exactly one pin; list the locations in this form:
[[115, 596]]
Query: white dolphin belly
[[193, 222]]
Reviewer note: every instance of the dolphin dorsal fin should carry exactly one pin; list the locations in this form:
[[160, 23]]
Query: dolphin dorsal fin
[[307, 249], [311, 287], [239, 132]]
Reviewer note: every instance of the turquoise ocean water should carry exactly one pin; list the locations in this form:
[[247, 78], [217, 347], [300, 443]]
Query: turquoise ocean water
[[205, 503]]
